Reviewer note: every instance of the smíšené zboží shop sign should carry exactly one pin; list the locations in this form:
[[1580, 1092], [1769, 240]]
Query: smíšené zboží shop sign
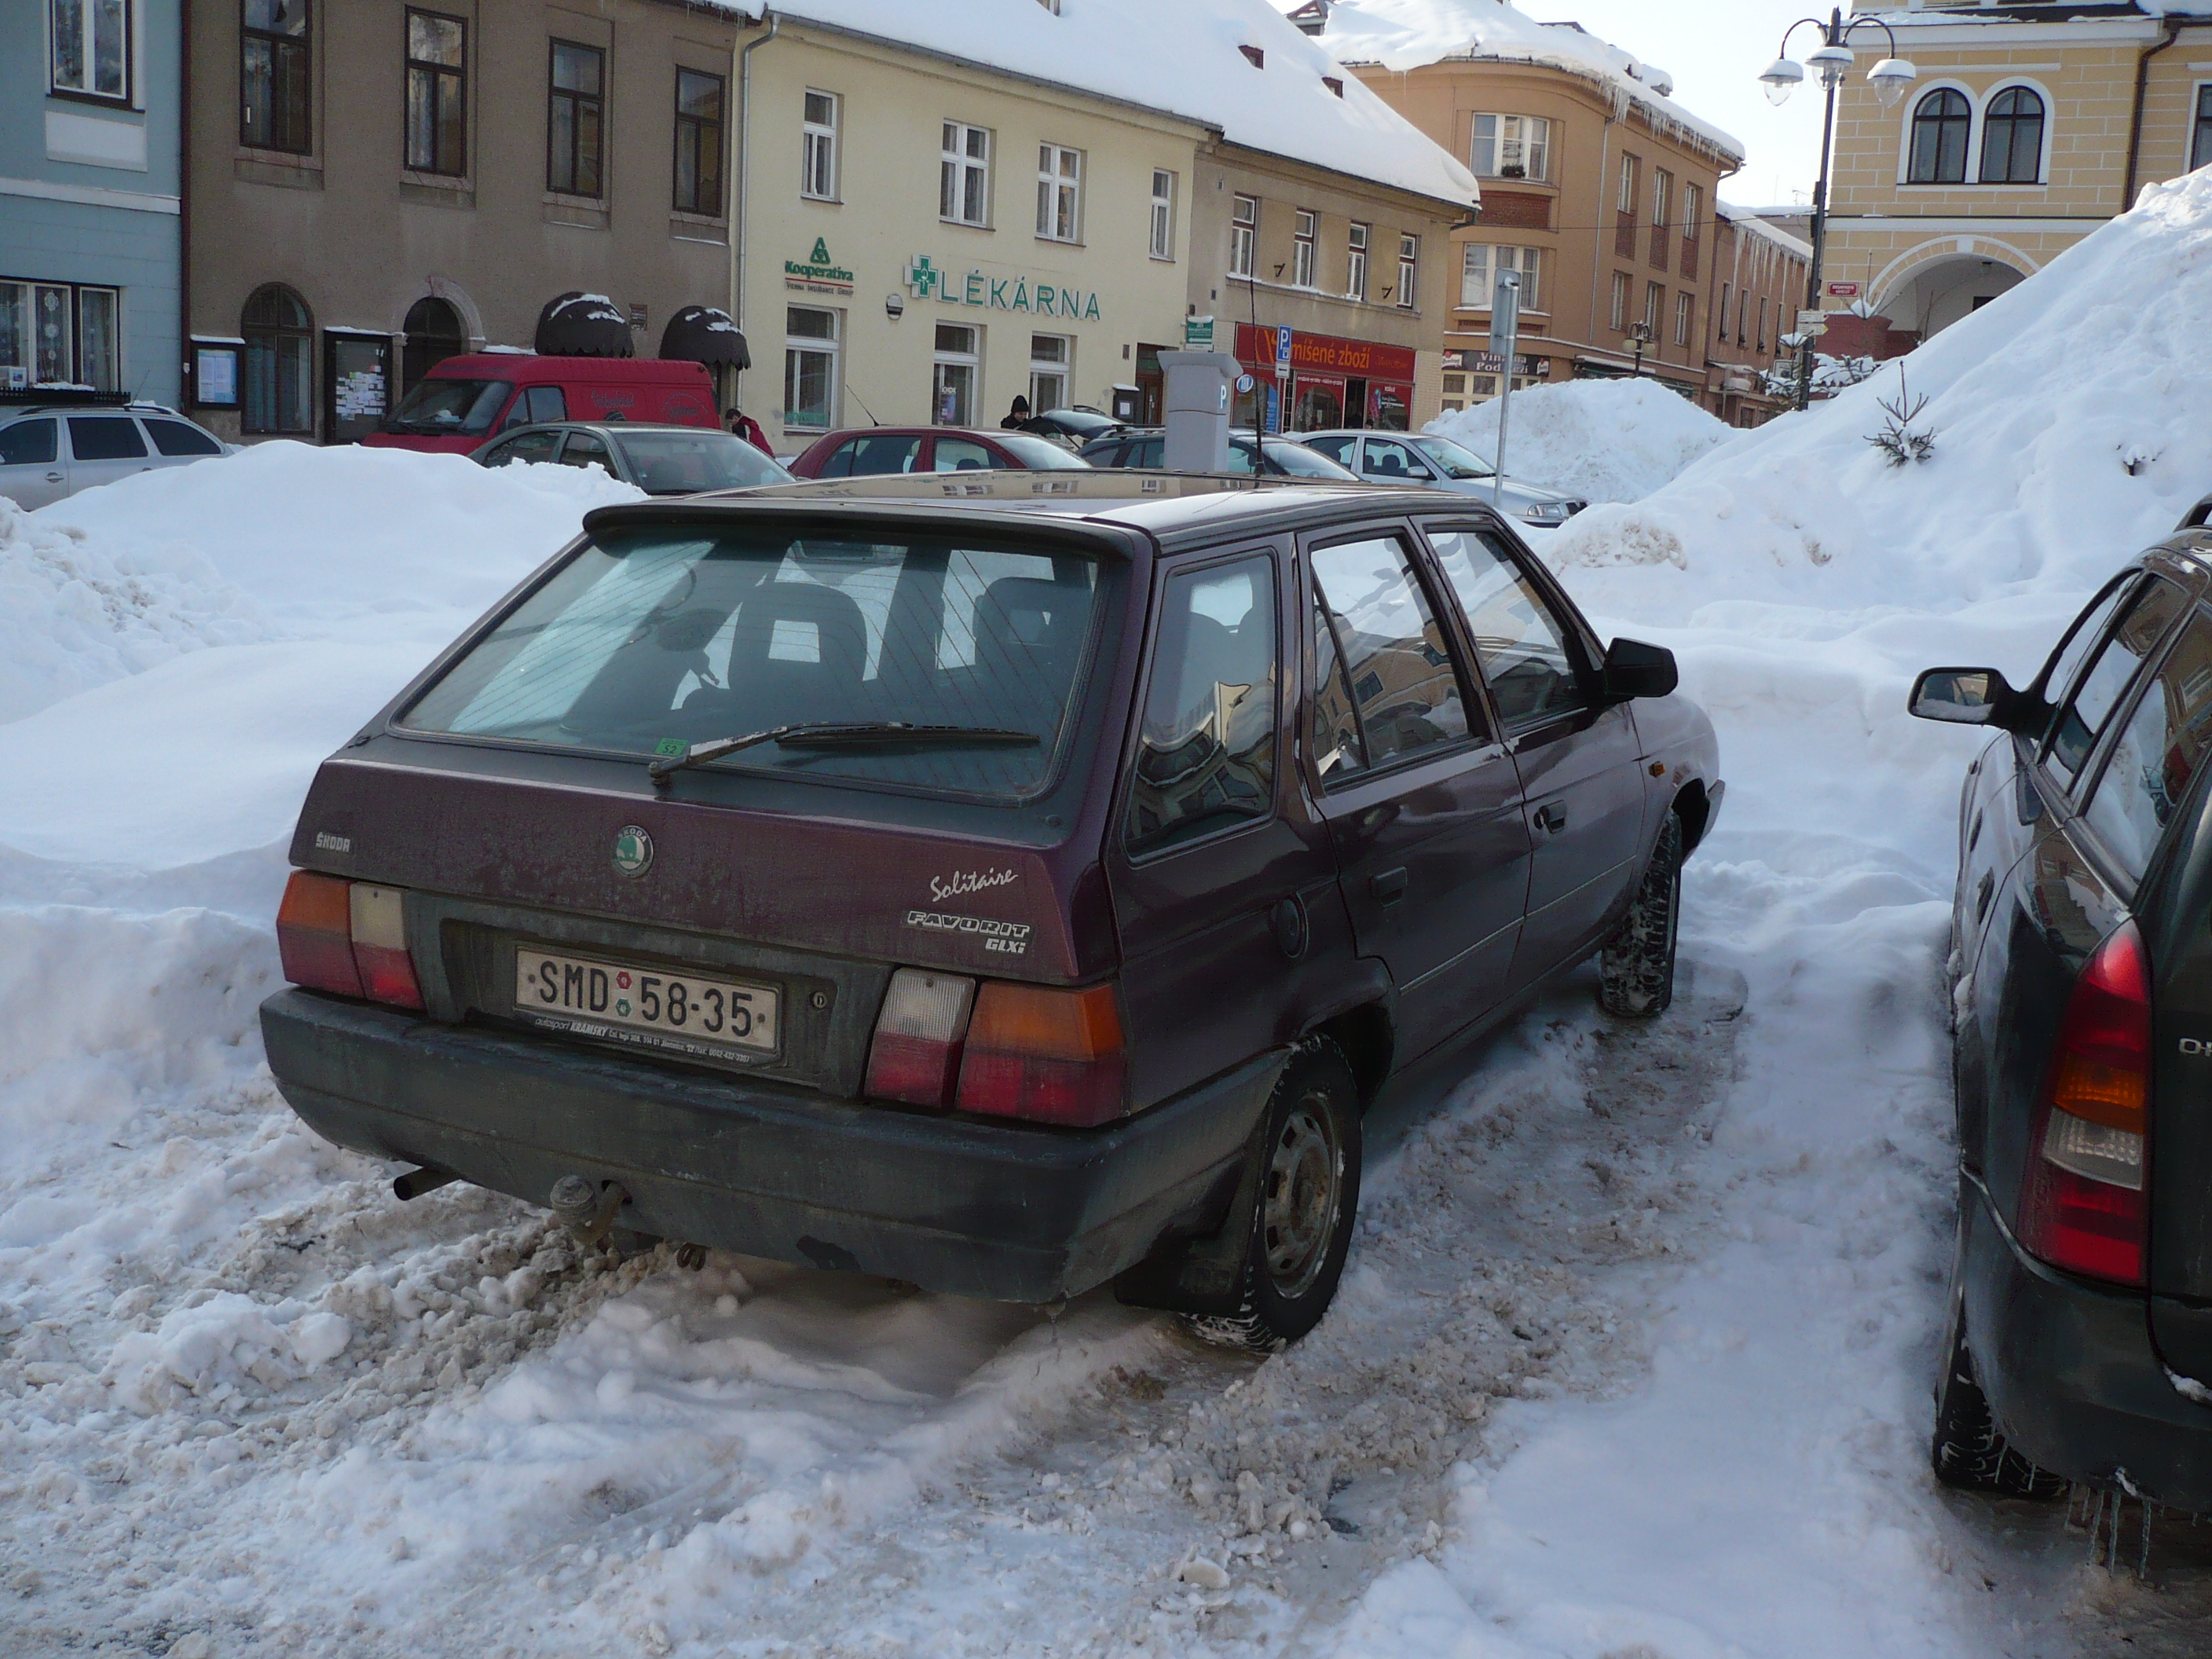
[[1035, 299]]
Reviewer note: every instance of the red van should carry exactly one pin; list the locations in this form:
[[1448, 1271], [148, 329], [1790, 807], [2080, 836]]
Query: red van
[[466, 399]]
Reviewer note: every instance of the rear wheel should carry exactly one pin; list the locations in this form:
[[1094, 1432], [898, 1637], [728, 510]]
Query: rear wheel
[[1308, 1198], [1636, 970], [1967, 1453]]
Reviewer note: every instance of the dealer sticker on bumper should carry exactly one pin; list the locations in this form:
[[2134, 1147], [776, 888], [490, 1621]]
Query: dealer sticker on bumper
[[612, 999]]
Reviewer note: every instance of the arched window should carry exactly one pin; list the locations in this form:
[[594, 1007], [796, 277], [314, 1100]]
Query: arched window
[[1939, 138], [280, 363], [2012, 138], [434, 332]]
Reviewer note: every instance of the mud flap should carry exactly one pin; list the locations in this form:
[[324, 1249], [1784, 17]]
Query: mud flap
[[1199, 1274]]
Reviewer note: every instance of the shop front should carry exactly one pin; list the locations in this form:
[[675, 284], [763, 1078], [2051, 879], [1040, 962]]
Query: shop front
[[1324, 380]]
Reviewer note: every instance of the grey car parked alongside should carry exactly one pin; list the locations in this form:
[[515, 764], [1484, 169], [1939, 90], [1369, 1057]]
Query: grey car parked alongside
[[662, 460], [1425, 458], [49, 449]]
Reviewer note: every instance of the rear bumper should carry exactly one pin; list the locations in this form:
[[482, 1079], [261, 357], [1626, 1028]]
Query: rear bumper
[[1012, 1212], [2072, 1377]]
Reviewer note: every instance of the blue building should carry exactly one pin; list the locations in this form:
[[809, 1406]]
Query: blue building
[[90, 230]]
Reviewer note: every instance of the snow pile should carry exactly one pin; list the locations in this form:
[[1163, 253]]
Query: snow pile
[[1409, 34], [1604, 441]]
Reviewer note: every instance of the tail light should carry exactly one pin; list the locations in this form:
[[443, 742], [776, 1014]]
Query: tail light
[[346, 937], [1048, 1055], [2085, 1206], [915, 1056]]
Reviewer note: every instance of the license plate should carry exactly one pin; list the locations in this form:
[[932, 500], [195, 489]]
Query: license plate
[[614, 999]]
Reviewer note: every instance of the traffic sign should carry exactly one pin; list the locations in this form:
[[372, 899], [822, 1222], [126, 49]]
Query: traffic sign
[[1844, 290], [1812, 322], [1282, 348]]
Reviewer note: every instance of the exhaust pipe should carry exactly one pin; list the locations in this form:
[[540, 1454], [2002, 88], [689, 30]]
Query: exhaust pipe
[[415, 1182]]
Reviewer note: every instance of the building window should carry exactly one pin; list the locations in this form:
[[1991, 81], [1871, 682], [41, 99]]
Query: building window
[[273, 79], [1479, 260], [1052, 360], [1355, 286], [574, 119], [280, 373], [2012, 138], [1409, 269], [1939, 138], [698, 142], [437, 93], [1302, 250], [1512, 146], [2200, 146], [1682, 305], [1655, 303], [953, 374], [817, 153], [1619, 312], [810, 369], [1625, 202], [1162, 240], [1762, 322], [1693, 209], [1721, 334], [1663, 190], [60, 334], [963, 186], [1060, 193], [91, 41], [1244, 232]]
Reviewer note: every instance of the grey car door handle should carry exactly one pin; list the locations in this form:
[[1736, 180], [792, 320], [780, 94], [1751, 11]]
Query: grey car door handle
[[1552, 818], [1390, 885], [53, 477]]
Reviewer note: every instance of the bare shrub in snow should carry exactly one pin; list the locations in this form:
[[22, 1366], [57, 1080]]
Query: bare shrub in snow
[[1899, 439]]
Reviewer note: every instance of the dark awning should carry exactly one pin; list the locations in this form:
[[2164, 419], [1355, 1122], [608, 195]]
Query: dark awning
[[583, 325], [701, 334]]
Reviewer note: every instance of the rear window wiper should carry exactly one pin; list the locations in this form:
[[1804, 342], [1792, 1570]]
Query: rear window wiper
[[840, 734]]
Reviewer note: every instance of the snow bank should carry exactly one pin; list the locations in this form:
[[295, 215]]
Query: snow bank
[[1604, 441]]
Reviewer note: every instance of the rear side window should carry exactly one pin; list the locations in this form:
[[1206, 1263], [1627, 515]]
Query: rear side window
[[649, 641], [587, 449], [2156, 753], [963, 455], [28, 443], [105, 438], [865, 456], [529, 447], [2149, 613], [544, 404], [1336, 448], [1520, 644], [176, 438], [1384, 689], [1205, 750]]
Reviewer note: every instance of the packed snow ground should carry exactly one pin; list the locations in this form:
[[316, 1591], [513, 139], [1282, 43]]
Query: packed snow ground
[[1604, 441], [1632, 1355]]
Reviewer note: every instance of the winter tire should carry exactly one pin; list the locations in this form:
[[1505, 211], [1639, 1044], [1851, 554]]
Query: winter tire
[[1636, 970], [1308, 1154], [1967, 1453]]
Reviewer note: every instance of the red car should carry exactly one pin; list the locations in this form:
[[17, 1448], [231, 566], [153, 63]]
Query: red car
[[465, 401], [872, 449]]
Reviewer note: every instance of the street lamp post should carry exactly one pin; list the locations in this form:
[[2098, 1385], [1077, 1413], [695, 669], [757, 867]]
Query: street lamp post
[[1832, 59]]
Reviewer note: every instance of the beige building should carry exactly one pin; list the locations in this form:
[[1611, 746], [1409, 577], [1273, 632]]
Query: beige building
[[1759, 270], [2031, 124], [1597, 189]]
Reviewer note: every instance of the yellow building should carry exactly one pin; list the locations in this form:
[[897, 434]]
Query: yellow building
[[2031, 124]]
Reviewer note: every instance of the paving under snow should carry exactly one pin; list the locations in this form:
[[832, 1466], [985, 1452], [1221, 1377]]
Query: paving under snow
[[1633, 1354]]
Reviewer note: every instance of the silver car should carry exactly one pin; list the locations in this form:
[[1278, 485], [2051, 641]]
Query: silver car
[[1423, 457], [49, 449], [662, 460]]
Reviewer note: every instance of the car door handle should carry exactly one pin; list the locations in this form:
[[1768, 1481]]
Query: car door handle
[[1390, 885], [53, 477], [1551, 817]]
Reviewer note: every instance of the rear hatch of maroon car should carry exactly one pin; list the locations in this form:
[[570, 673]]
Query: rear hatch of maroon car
[[867, 901]]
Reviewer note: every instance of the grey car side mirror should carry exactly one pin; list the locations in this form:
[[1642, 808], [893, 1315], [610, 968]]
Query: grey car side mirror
[[1634, 668], [1963, 697]]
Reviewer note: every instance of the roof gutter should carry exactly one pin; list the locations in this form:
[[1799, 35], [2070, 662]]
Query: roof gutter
[[2171, 32]]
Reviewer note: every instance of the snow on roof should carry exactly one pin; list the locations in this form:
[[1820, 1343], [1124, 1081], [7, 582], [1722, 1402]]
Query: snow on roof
[[1749, 219], [1181, 57], [1406, 34]]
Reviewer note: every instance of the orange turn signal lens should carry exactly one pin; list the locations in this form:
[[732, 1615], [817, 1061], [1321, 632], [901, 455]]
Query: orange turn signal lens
[[1048, 1056]]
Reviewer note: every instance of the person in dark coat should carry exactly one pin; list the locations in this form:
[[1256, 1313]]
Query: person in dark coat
[[1018, 415], [744, 426]]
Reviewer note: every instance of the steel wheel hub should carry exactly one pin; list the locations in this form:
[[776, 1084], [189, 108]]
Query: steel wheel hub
[[1304, 1186]]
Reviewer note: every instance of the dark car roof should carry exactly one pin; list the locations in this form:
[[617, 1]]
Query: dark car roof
[[1168, 506]]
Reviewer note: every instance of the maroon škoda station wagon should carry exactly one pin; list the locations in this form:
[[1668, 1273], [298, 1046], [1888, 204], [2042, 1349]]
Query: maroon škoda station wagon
[[1008, 891]]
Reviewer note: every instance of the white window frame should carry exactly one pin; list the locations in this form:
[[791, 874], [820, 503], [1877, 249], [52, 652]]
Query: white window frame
[[832, 347], [1060, 193], [2197, 91], [1244, 235], [943, 357], [1496, 143], [1617, 315], [1305, 235], [1631, 173], [818, 147], [1409, 269], [1662, 190], [1685, 304], [1356, 245], [1921, 89], [1160, 224], [1693, 210], [1042, 369], [1977, 131], [957, 162], [1475, 292], [88, 46], [1654, 306]]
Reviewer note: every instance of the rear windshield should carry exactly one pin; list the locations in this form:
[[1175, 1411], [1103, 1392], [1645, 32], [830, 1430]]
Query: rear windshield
[[649, 641], [450, 406], [684, 463], [1040, 454]]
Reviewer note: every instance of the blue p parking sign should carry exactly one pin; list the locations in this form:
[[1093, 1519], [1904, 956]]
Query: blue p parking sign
[[1282, 348]]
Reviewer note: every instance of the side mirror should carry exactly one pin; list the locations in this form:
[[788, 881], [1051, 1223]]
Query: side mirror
[[1963, 696], [1634, 668]]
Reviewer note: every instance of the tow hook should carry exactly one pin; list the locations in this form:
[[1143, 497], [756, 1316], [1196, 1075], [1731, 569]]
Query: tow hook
[[588, 1211]]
